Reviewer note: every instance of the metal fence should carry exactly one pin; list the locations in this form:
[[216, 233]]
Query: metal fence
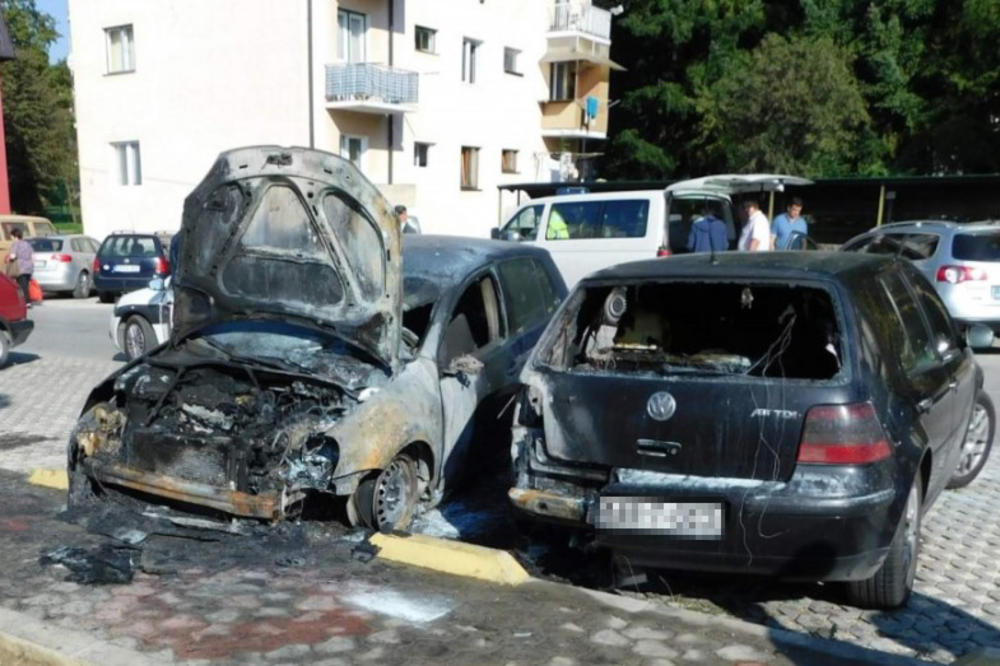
[[581, 16], [364, 81]]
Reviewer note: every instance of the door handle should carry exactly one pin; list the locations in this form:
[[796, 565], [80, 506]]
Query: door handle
[[925, 405]]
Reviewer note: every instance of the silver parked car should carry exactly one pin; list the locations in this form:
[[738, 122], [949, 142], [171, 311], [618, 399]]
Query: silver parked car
[[962, 261], [64, 263]]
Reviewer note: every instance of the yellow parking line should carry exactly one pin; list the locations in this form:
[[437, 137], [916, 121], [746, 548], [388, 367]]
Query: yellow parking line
[[452, 557], [50, 478]]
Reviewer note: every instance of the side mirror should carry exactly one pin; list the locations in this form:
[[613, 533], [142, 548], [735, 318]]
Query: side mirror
[[495, 233], [978, 336], [157, 284]]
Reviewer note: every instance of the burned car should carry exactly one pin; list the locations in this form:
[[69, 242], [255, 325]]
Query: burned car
[[311, 356], [787, 413]]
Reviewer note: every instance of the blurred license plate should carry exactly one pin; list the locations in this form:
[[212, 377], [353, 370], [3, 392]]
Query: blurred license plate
[[641, 515], [39, 263], [996, 293], [126, 268]]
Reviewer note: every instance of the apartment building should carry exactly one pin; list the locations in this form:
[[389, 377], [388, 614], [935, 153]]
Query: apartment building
[[437, 101]]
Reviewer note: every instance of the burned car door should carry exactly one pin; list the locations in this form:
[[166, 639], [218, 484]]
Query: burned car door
[[473, 362]]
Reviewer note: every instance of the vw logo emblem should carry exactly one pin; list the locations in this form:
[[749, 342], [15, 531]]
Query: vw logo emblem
[[661, 406]]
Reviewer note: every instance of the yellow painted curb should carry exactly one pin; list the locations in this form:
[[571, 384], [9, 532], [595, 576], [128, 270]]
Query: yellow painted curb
[[50, 478], [452, 557], [14, 650]]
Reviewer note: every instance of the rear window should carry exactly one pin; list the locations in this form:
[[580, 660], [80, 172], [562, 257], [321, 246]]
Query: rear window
[[707, 328], [133, 247], [45, 245], [915, 246], [624, 218], [976, 247], [43, 229]]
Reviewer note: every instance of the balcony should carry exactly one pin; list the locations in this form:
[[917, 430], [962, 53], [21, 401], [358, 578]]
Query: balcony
[[567, 120], [581, 17], [370, 88]]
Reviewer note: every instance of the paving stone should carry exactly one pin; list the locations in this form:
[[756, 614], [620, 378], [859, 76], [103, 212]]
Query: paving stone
[[569, 626], [616, 622], [609, 637], [294, 651], [562, 661], [224, 615], [335, 645], [651, 648], [739, 652], [639, 633], [693, 655], [388, 636]]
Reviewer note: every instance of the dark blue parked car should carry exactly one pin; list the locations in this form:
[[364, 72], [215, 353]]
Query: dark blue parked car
[[126, 262]]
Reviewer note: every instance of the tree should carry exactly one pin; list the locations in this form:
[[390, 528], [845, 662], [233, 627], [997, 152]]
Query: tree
[[37, 105]]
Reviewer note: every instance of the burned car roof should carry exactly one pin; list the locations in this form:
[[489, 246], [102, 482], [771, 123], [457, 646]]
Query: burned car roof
[[742, 264], [448, 260]]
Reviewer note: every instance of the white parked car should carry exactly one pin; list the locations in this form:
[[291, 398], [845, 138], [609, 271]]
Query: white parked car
[[141, 319], [590, 231]]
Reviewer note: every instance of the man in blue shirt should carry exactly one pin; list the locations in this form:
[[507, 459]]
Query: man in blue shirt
[[788, 223], [708, 234]]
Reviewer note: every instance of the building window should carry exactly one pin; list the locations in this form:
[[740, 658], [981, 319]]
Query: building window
[[470, 54], [420, 151], [470, 168], [354, 149], [127, 162], [121, 49], [426, 39], [508, 160], [510, 57], [562, 81], [352, 27]]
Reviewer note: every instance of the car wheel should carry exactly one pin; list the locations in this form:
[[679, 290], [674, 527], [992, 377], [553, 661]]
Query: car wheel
[[977, 443], [138, 337], [386, 501], [892, 584], [4, 348], [105, 297], [82, 288]]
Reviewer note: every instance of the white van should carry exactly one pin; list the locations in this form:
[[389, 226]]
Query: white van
[[587, 232]]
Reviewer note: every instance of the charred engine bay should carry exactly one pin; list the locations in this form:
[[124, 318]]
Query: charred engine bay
[[225, 426]]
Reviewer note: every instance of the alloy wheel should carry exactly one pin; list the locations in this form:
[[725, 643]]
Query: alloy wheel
[[976, 439], [135, 341], [911, 532]]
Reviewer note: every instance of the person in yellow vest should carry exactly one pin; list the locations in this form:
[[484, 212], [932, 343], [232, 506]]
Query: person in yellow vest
[[557, 228]]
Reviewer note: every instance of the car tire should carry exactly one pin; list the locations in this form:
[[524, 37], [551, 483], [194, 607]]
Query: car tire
[[82, 288], [4, 348], [138, 337], [977, 442], [892, 584], [386, 501], [105, 297]]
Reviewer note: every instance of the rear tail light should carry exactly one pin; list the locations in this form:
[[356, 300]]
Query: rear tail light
[[63, 258], [843, 435], [162, 266], [97, 266], [959, 274], [663, 252]]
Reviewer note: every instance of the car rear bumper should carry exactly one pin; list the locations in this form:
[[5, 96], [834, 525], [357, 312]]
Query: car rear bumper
[[60, 279], [120, 285], [20, 330]]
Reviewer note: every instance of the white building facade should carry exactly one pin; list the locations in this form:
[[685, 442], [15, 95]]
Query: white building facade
[[437, 101]]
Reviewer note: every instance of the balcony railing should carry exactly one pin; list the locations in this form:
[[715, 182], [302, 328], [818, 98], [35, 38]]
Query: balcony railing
[[577, 16], [364, 82]]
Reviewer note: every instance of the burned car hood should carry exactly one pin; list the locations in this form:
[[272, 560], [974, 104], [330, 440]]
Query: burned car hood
[[291, 234]]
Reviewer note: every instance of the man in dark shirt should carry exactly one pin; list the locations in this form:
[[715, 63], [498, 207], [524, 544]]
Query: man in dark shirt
[[708, 234]]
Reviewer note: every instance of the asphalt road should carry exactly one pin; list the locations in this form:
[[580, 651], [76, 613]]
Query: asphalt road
[[71, 328]]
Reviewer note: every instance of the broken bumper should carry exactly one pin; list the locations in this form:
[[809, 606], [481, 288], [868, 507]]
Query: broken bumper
[[267, 506], [20, 330]]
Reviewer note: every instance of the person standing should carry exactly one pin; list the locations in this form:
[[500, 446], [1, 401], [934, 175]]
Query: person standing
[[406, 225], [24, 255], [756, 234], [708, 233], [788, 223]]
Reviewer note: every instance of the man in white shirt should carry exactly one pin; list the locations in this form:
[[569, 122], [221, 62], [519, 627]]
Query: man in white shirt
[[756, 234]]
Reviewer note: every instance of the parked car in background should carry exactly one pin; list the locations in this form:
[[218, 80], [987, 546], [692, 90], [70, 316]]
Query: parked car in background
[[14, 323], [788, 413], [585, 232], [141, 319], [128, 261], [961, 260], [308, 359], [30, 227], [63, 263]]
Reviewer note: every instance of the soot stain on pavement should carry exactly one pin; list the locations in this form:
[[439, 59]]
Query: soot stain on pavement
[[16, 440]]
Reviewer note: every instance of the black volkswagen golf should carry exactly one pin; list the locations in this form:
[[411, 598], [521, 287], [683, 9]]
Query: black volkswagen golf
[[788, 414]]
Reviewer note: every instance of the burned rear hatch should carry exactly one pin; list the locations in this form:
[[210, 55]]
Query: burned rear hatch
[[709, 378]]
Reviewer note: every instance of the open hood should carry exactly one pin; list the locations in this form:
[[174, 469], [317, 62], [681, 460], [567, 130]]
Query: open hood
[[732, 183], [294, 234]]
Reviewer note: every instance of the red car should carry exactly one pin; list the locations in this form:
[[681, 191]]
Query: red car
[[14, 323]]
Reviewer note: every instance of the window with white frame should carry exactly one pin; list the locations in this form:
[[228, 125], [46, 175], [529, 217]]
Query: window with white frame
[[562, 81], [510, 57], [426, 38], [353, 27], [470, 168], [128, 165], [470, 56], [508, 160], [420, 151], [120, 49], [355, 149]]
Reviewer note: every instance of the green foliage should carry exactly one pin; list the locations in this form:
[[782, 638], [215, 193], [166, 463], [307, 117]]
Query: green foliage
[[823, 87], [38, 113]]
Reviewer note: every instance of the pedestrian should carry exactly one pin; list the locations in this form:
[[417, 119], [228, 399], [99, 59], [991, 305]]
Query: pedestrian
[[405, 224], [708, 233], [756, 234], [24, 256], [788, 223]]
